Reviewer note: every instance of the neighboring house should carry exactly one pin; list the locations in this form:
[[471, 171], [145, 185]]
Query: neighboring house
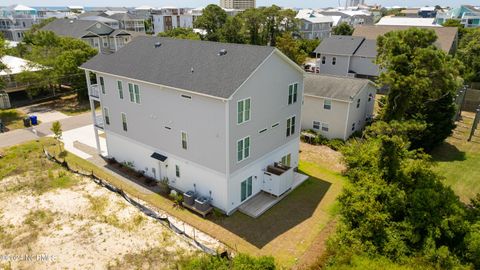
[[409, 12], [427, 12], [336, 107], [98, 35], [168, 18], [314, 25], [205, 115], [237, 4], [14, 66], [16, 20], [347, 56], [352, 16], [468, 15], [129, 22], [407, 21], [447, 37]]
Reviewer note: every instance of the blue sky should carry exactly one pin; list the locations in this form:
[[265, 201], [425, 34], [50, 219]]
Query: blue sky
[[197, 3]]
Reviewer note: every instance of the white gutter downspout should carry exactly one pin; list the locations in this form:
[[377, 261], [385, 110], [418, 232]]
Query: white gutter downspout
[[346, 122]]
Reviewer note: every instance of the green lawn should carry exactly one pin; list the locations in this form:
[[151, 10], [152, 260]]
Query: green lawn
[[286, 231], [12, 119], [459, 160]]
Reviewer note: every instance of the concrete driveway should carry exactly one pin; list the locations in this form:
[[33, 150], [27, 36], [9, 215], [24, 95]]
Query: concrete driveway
[[81, 142], [27, 134]]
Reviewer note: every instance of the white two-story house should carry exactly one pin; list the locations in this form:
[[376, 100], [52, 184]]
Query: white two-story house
[[213, 118]]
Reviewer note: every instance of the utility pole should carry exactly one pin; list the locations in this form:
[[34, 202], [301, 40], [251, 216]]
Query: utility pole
[[475, 123]]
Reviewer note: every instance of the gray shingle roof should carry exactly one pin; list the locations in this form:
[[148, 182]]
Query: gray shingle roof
[[340, 45], [69, 28], [368, 48], [172, 63], [124, 17], [342, 88]]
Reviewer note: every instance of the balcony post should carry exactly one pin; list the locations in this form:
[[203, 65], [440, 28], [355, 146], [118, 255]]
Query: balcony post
[[94, 120]]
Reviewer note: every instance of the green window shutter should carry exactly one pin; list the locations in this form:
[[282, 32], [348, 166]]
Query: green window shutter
[[243, 190], [130, 91], [290, 92], [295, 88], [246, 147], [240, 112], [102, 85], [137, 93], [288, 127], [240, 150], [292, 129], [120, 89], [247, 109], [249, 186]]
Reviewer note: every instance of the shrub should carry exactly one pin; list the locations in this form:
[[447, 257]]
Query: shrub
[[239, 262], [335, 144]]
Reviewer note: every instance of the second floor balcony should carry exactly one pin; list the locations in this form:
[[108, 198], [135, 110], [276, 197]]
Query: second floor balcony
[[94, 90]]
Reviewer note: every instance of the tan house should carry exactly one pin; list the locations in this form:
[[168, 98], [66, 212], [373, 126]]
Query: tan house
[[336, 106]]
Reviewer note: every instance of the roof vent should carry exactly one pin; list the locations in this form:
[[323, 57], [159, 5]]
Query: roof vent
[[222, 52], [158, 44]]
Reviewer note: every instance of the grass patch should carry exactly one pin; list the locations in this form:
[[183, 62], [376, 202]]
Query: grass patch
[[458, 160], [97, 204], [38, 219], [12, 118], [286, 231]]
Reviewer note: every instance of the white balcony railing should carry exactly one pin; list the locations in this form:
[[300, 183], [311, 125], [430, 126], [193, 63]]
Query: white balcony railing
[[99, 121], [94, 90]]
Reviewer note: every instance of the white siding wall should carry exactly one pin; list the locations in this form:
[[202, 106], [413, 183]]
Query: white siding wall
[[205, 180], [340, 68], [203, 119]]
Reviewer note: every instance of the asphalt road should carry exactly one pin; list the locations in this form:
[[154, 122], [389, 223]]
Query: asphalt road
[[19, 136]]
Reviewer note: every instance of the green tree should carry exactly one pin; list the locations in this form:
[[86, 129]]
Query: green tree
[[232, 31], [254, 20], [61, 56], [343, 29], [291, 48], [180, 33], [212, 20], [469, 54], [396, 206], [57, 132], [308, 45], [422, 82], [2, 53]]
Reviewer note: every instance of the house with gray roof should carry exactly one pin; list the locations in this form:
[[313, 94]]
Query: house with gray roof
[[204, 116], [97, 34], [336, 106], [347, 56]]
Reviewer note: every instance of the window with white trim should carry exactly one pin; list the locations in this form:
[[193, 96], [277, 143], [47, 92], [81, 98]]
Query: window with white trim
[[325, 127], [246, 188], [177, 171], [131, 93], [137, 93], [184, 140], [327, 104], [243, 110], [316, 125], [106, 115], [292, 93], [286, 160], [120, 89], [102, 84], [243, 149], [124, 122], [290, 126]]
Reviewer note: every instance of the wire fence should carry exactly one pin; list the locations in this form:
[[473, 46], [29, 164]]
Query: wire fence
[[164, 220]]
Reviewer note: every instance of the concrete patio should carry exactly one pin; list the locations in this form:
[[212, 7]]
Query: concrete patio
[[261, 202]]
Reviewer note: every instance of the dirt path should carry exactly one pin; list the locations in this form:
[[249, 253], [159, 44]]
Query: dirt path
[[317, 249], [323, 155]]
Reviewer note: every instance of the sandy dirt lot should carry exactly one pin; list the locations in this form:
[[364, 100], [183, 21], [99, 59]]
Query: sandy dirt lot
[[82, 226]]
